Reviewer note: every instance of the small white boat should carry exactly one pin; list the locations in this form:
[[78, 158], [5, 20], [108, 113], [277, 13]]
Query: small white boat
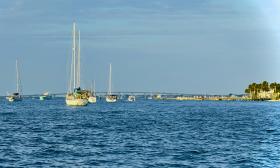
[[14, 97], [92, 98], [45, 96], [131, 98], [17, 95], [110, 98]]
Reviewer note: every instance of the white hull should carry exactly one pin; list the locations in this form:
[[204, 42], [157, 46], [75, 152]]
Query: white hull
[[131, 98], [92, 99], [13, 99], [76, 102], [110, 100]]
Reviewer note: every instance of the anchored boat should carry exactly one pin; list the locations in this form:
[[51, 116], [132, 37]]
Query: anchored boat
[[131, 98], [76, 96], [110, 98], [14, 97], [17, 95], [45, 96], [92, 97], [150, 97]]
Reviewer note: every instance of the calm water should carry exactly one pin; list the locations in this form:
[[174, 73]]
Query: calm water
[[141, 134]]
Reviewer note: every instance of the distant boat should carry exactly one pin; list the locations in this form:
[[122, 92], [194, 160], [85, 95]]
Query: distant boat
[[92, 97], [131, 98], [110, 98], [76, 96], [45, 96], [17, 95], [158, 97]]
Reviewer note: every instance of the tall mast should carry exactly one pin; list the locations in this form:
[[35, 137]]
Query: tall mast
[[94, 87], [110, 80], [79, 61], [91, 87], [71, 76], [17, 72], [74, 55]]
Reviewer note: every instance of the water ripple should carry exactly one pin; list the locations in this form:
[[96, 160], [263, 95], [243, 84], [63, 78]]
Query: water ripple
[[140, 134]]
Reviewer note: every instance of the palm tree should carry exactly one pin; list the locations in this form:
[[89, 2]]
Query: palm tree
[[277, 88], [255, 89], [273, 86], [265, 86]]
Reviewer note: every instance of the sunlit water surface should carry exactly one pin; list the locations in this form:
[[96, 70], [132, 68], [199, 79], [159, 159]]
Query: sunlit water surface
[[144, 133]]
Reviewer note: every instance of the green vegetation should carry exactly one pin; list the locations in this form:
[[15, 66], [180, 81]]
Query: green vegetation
[[263, 91]]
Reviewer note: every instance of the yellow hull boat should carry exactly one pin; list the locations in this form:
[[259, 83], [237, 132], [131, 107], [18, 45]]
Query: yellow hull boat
[[76, 102]]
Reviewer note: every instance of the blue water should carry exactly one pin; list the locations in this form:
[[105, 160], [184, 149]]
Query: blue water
[[145, 133]]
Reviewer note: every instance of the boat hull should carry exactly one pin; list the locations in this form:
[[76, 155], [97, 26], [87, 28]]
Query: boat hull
[[44, 97], [76, 102], [92, 99], [110, 100], [13, 99], [131, 99]]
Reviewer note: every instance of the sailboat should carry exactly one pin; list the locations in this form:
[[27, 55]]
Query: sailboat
[[75, 95], [131, 98], [17, 95], [92, 97], [110, 98]]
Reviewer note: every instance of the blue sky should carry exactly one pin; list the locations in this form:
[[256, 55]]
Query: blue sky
[[189, 46]]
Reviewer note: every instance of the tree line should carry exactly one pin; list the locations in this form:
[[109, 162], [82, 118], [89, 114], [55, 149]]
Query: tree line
[[255, 88]]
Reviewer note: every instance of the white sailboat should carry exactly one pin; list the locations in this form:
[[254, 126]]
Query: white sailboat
[[17, 95], [92, 97], [75, 95], [110, 98], [131, 98]]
